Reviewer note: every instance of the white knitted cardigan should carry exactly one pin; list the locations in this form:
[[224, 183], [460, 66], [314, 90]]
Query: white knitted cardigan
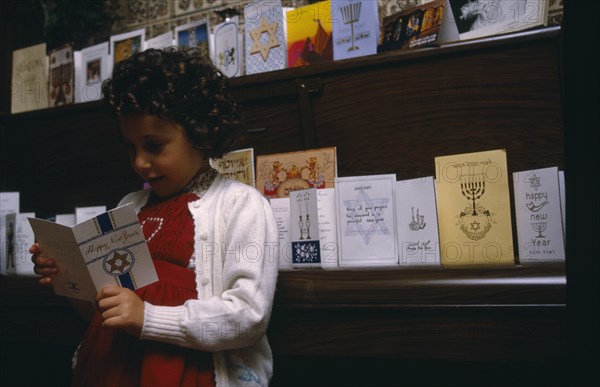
[[235, 258]]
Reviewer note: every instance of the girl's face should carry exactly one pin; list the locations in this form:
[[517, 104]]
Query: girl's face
[[160, 152]]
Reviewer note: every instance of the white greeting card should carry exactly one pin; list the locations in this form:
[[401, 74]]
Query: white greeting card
[[91, 68], [563, 202], [416, 217], [109, 249], [304, 228], [355, 26], [281, 210], [228, 48], [366, 221], [84, 213], [19, 238], [327, 228], [65, 219], [160, 41], [480, 18], [9, 203], [539, 217], [265, 42]]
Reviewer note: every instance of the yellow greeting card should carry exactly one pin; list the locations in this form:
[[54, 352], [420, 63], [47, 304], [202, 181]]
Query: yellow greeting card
[[309, 39], [474, 209]]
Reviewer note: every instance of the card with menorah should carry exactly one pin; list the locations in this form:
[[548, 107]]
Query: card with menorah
[[355, 28], [474, 209], [539, 216]]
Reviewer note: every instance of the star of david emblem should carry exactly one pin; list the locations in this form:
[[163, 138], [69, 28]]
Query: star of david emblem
[[359, 210], [258, 46], [534, 182], [475, 226], [118, 263]]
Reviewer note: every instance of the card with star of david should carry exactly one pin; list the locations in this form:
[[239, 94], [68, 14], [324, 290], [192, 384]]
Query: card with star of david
[[538, 210], [473, 204], [265, 44], [366, 221], [108, 249]]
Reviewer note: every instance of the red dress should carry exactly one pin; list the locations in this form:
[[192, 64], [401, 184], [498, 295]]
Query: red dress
[[113, 357]]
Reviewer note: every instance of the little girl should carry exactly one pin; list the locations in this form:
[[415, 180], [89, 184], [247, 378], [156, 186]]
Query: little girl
[[213, 240]]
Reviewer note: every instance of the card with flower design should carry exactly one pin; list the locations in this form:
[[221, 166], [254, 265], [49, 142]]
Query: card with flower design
[[473, 205], [304, 228]]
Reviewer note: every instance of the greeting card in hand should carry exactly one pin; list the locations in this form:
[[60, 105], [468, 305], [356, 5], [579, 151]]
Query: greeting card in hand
[[109, 249]]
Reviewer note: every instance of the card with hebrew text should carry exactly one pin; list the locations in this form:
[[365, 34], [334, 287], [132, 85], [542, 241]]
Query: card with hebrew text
[[473, 205]]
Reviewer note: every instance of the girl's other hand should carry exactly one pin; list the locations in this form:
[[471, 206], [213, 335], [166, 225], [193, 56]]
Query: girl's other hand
[[121, 308], [44, 266]]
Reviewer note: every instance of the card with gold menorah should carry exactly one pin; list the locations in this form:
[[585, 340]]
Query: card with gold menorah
[[473, 205]]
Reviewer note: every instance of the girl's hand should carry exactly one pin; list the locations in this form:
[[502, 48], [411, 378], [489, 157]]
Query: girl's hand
[[43, 265], [121, 308]]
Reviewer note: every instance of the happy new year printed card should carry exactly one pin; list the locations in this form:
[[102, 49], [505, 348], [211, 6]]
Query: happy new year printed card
[[108, 249], [474, 209]]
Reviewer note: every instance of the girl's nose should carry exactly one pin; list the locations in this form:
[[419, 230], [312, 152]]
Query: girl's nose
[[141, 162]]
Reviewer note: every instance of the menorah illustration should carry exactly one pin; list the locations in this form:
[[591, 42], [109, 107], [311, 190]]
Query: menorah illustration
[[539, 227], [351, 14], [473, 187]]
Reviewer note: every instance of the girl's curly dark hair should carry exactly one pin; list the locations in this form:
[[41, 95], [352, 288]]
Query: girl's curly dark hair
[[180, 85]]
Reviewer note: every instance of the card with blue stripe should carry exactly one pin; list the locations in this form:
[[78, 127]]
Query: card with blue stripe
[[108, 249]]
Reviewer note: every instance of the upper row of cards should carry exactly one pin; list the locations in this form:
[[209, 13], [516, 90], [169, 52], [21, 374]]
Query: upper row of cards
[[266, 37]]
